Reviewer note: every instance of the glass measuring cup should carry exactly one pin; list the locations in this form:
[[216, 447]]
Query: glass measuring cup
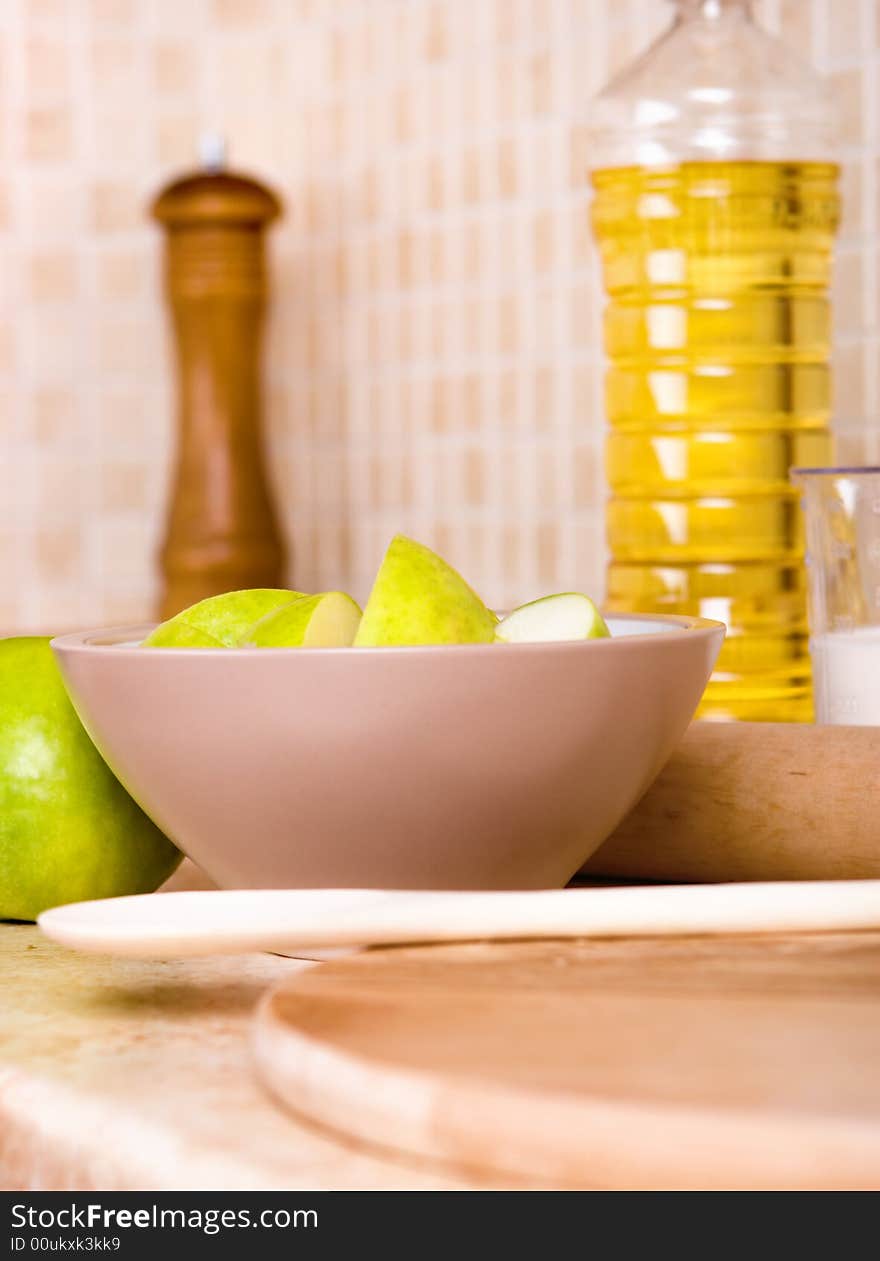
[[842, 513]]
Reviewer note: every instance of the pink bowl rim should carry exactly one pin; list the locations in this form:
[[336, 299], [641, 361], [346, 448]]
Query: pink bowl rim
[[118, 639]]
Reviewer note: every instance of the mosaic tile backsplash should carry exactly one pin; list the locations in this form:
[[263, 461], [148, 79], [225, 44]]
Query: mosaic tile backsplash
[[433, 362]]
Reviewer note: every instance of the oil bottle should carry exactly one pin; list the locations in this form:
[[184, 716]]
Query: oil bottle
[[715, 207]]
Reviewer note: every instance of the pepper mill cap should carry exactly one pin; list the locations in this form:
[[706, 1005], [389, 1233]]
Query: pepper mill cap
[[215, 195]]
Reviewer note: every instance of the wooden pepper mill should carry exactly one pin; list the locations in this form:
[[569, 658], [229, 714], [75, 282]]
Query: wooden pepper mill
[[221, 532]]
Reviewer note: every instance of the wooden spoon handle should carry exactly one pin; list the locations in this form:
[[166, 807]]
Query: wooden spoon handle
[[290, 920], [756, 801]]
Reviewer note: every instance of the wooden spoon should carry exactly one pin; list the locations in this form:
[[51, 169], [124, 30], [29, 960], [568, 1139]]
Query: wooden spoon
[[282, 920]]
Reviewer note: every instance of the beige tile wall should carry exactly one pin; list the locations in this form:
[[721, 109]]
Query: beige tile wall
[[433, 358]]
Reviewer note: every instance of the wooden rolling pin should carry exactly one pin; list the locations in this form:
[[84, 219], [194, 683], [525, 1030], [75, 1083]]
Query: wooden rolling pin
[[756, 801]]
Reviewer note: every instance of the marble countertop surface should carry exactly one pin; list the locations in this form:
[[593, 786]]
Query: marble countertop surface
[[129, 1075]]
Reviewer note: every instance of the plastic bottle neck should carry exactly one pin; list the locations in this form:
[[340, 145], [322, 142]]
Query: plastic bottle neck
[[712, 9]]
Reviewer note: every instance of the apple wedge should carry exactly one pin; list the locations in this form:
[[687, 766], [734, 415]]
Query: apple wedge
[[329, 620], [219, 621], [418, 599], [569, 615], [181, 635]]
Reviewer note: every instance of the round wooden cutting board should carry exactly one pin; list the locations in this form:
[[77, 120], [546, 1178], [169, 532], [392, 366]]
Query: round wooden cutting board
[[674, 1063]]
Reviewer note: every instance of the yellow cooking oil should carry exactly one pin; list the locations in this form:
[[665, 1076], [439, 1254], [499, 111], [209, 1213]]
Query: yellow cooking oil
[[717, 332]]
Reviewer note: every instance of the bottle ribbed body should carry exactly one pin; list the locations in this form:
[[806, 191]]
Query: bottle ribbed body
[[717, 335]]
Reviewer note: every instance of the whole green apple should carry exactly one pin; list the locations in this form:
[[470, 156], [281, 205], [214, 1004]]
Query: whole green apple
[[69, 831]]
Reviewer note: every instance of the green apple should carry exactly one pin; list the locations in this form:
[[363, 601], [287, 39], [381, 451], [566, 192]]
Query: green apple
[[220, 621], [69, 831], [418, 599], [569, 615], [329, 620]]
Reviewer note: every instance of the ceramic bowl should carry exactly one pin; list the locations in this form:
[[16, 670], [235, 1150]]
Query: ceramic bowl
[[483, 766]]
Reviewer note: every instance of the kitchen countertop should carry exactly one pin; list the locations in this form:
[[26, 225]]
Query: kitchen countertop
[[137, 1075], [128, 1075]]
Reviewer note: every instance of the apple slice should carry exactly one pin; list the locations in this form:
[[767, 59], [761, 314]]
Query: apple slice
[[418, 599], [219, 621], [329, 620], [181, 635], [569, 615]]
